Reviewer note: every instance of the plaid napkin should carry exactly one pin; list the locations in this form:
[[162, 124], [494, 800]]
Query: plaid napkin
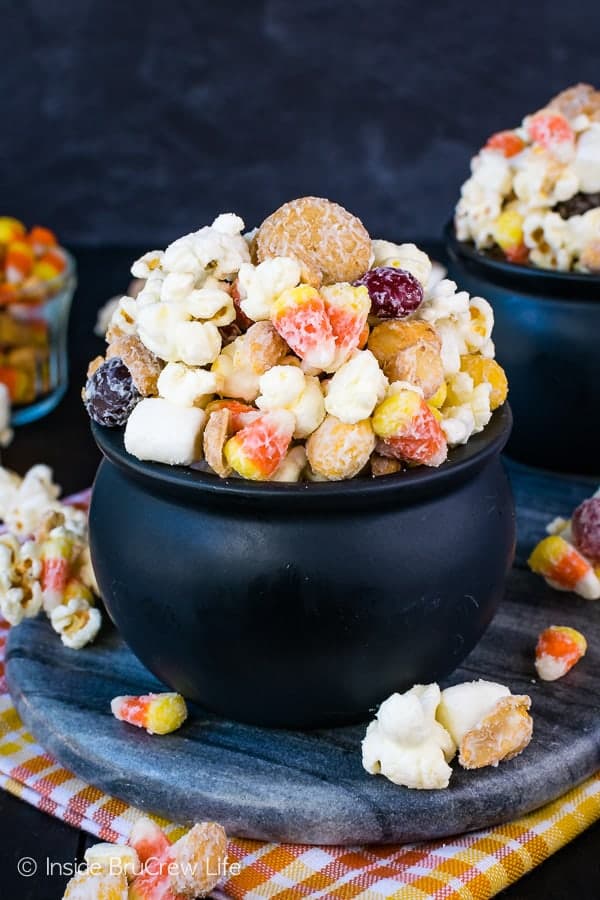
[[474, 866]]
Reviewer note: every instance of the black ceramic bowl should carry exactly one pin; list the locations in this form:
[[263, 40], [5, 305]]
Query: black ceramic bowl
[[302, 605], [547, 330]]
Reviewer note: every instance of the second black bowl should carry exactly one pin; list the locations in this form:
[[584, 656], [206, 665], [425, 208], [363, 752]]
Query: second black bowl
[[547, 328]]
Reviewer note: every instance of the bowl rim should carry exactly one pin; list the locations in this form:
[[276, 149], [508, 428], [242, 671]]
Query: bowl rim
[[463, 461], [555, 283]]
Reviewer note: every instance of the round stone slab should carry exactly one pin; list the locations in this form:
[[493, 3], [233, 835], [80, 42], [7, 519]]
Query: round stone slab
[[310, 787]]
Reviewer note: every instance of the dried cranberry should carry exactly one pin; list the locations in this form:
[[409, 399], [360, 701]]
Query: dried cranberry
[[110, 394], [395, 293], [585, 526]]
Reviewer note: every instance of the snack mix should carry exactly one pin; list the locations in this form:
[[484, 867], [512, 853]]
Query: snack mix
[[149, 867], [300, 351], [33, 268], [415, 735], [45, 559], [569, 558], [534, 192]]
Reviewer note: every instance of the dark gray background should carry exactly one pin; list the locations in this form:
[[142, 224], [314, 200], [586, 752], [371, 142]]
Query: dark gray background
[[130, 122]]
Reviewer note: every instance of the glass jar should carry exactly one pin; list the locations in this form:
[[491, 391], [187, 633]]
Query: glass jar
[[33, 345]]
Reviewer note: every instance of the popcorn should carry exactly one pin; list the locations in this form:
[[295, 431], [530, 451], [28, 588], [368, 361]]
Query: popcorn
[[356, 388], [526, 187], [486, 722], [406, 744], [186, 385], [20, 590], [218, 248], [261, 285], [157, 713], [558, 649], [402, 256], [143, 266], [287, 387], [77, 622], [211, 304]]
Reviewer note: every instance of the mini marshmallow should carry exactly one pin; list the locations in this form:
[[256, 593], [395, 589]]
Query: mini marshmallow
[[161, 431], [187, 386], [356, 388], [260, 285]]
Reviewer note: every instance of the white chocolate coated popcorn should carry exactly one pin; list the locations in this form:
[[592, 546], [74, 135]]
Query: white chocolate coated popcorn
[[402, 256], [143, 266], [261, 285], [187, 385], [406, 744], [287, 387], [76, 622], [356, 388]]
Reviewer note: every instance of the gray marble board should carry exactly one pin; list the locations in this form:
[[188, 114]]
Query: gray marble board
[[310, 787]]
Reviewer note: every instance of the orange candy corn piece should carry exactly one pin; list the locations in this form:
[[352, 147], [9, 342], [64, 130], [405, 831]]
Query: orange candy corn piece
[[409, 429], [507, 142], [41, 239], [558, 649], [559, 562], [157, 713], [300, 318], [256, 451], [18, 263], [548, 129]]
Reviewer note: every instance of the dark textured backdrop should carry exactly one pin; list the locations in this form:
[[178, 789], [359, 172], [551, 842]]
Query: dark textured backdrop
[[130, 121]]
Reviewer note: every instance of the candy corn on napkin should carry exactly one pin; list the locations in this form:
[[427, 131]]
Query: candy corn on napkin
[[473, 866]]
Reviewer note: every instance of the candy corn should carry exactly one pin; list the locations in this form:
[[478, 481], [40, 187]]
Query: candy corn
[[10, 229], [256, 450], [550, 129], [57, 554], [99, 886], [300, 317], [564, 567], [347, 309], [507, 142], [410, 430], [50, 265], [41, 239], [18, 263], [558, 649], [157, 713]]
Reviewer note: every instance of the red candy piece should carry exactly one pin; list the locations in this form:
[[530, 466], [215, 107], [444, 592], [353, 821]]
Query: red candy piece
[[507, 142], [585, 525], [395, 293], [548, 129]]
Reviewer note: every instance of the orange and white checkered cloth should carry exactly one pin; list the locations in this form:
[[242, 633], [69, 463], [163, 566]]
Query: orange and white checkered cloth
[[473, 866]]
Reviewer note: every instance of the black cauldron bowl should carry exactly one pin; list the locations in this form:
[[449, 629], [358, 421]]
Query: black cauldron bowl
[[547, 329], [302, 605]]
